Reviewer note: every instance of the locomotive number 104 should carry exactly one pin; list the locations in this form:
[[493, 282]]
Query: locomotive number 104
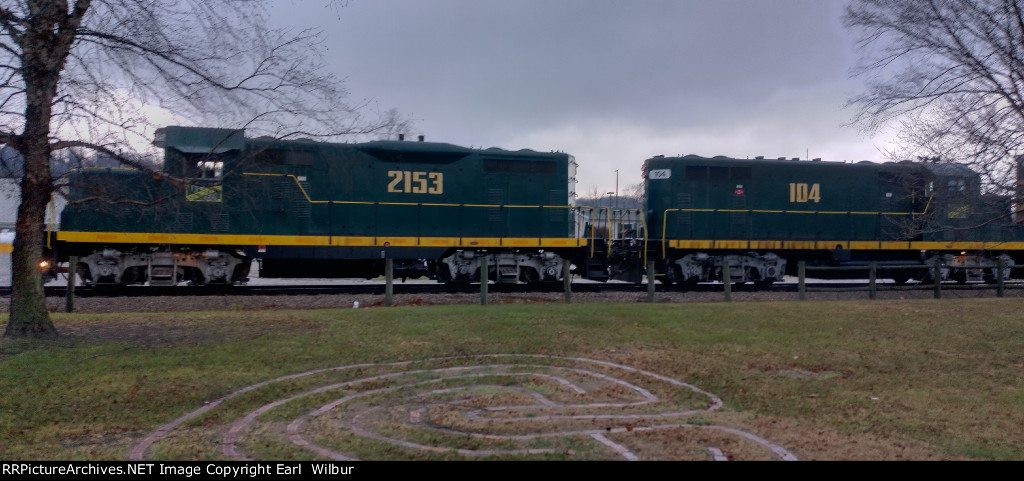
[[802, 193]]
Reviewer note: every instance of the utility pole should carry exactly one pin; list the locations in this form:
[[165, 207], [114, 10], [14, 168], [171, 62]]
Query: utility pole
[[616, 188], [617, 196]]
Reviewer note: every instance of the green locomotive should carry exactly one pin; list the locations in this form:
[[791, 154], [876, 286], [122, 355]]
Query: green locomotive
[[314, 209], [759, 215], [304, 208]]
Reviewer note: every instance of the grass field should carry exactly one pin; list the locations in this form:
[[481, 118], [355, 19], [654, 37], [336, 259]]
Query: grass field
[[908, 379]]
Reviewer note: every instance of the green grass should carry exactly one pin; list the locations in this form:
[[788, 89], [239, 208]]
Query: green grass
[[831, 380]]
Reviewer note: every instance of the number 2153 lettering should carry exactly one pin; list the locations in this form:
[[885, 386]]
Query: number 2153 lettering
[[406, 182]]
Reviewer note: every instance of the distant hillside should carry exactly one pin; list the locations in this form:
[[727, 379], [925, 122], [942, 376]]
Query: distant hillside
[[611, 202], [12, 165]]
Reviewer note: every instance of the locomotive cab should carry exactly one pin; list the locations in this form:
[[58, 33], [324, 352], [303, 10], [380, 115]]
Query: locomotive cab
[[967, 218], [130, 227]]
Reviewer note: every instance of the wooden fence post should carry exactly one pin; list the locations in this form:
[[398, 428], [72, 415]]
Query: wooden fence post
[[650, 281], [802, 279], [483, 280], [727, 279], [567, 280], [69, 301], [1000, 285], [389, 280], [872, 276]]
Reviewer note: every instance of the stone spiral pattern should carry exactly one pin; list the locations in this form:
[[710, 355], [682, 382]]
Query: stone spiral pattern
[[491, 405]]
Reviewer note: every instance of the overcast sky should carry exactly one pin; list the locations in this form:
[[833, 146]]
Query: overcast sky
[[610, 82]]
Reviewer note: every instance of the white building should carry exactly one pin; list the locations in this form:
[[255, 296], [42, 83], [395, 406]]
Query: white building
[[10, 196]]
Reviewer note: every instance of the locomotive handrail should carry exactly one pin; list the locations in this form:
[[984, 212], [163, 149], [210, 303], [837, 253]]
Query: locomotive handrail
[[610, 236], [417, 204], [664, 227], [664, 221], [593, 212], [582, 207], [643, 221], [358, 202], [608, 218]]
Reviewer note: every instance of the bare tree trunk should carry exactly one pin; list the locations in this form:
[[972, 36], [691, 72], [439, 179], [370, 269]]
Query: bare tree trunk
[[208, 59], [50, 37], [28, 314]]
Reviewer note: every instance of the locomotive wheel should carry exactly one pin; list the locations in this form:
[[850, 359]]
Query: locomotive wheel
[[960, 276], [442, 274], [675, 275], [752, 275], [528, 275]]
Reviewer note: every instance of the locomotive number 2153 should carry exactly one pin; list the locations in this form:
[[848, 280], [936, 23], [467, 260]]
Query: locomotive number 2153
[[406, 182]]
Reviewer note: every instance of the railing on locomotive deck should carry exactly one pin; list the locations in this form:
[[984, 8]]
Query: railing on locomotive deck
[[621, 234], [580, 218], [569, 208], [751, 212], [610, 223]]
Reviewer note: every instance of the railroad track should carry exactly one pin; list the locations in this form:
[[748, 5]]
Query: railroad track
[[363, 288], [431, 288]]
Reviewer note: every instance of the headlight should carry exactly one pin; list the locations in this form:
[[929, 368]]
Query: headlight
[[43, 264]]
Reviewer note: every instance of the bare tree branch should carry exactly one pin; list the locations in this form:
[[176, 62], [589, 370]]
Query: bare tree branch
[[81, 74], [950, 75]]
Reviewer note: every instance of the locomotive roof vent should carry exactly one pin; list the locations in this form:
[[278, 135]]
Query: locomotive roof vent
[[795, 158], [401, 137], [816, 159], [421, 138], [759, 157], [782, 158]]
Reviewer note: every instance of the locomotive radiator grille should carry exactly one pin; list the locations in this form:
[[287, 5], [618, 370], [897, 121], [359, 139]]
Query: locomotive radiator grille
[[183, 222], [300, 208], [684, 219], [739, 202], [557, 197], [495, 197], [221, 223]]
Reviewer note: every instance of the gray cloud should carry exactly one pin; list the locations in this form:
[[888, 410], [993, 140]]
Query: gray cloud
[[739, 77]]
